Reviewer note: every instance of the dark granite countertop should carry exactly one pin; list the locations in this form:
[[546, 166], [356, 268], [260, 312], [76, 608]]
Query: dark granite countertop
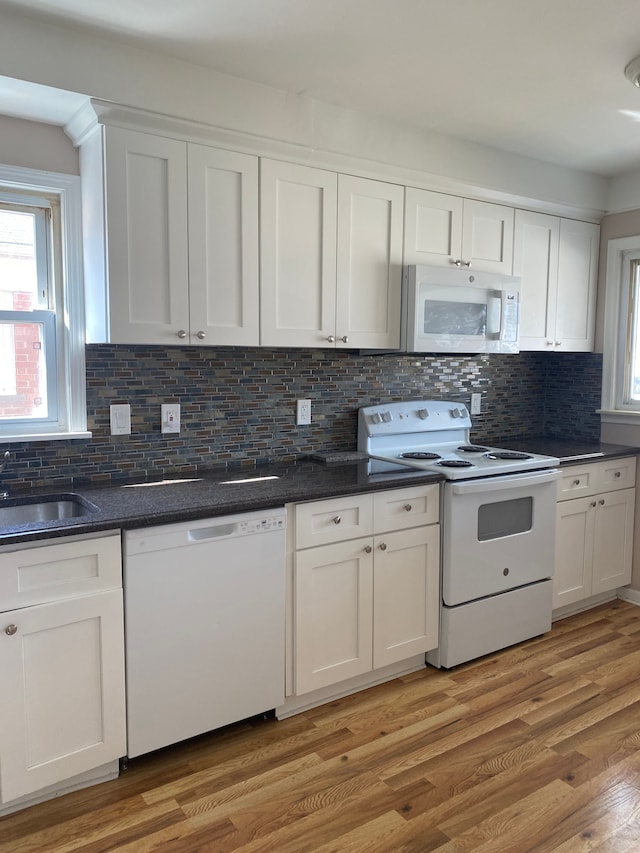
[[223, 492], [209, 494], [570, 451]]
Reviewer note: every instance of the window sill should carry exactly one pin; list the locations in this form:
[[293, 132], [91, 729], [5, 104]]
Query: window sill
[[42, 436]]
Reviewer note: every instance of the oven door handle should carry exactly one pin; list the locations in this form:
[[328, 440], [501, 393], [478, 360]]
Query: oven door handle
[[502, 482]]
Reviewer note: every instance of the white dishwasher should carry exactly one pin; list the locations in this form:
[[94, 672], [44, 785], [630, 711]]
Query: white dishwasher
[[204, 623]]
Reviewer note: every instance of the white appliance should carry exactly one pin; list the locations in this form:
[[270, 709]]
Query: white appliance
[[458, 310], [204, 623], [497, 523]]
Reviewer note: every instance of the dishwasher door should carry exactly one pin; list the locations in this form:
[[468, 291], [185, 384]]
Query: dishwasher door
[[204, 625]]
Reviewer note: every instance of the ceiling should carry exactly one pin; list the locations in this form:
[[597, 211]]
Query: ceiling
[[542, 78]]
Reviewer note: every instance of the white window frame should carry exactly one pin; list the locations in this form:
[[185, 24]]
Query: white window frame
[[71, 420]]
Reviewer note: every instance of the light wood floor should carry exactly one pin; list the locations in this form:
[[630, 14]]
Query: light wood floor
[[536, 748]]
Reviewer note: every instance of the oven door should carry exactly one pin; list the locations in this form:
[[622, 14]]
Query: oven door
[[498, 534]]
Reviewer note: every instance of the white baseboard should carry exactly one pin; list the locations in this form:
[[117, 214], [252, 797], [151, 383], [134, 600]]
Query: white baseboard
[[626, 593]]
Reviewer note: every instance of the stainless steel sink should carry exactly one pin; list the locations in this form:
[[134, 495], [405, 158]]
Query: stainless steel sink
[[16, 511]]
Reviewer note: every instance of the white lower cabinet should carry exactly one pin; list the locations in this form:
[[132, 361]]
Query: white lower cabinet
[[594, 534], [62, 706], [370, 597]]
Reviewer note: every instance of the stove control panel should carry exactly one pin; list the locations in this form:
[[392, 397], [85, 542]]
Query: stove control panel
[[411, 416]]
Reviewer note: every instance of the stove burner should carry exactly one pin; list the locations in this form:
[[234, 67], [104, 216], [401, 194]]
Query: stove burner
[[455, 463], [473, 448], [508, 454], [420, 454]]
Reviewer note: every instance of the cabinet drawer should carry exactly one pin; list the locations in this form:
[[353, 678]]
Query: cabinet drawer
[[617, 474], [46, 572], [403, 508], [577, 482], [333, 520], [608, 475]]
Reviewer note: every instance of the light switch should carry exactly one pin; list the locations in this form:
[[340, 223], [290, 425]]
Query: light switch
[[120, 415]]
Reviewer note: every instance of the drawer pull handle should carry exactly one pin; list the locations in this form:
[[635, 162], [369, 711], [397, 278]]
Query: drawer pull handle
[[617, 475], [10, 630], [383, 546], [337, 519], [408, 507], [576, 482], [368, 549]]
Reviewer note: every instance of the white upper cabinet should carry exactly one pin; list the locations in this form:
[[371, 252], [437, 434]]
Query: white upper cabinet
[[330, 258], [557, 261], [146, 218], [181, 232], [442, 230], [369, 273], [298, 210], [223, 246]]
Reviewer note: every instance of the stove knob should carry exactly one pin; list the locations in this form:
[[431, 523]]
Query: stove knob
[[375, 418], [423, 414], [455, 413], [387, 417]]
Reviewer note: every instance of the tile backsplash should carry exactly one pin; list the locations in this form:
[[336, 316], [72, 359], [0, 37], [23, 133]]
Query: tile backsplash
[[238, 405]]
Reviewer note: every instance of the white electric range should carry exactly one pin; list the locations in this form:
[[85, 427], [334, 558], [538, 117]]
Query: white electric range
[[497, 523]]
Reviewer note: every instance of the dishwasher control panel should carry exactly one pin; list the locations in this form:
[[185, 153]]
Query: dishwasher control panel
[[257, 525]]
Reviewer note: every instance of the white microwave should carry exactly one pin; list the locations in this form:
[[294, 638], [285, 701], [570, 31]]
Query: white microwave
[[457, 310]]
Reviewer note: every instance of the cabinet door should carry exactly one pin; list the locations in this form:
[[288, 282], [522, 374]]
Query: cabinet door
[[298, 214], [62, 699], [223, 247], [147, 237], [577, 279], [406, 598], [487, 236], [433, 228], [575, 520], [369, 265], [535, 260], [333, 607], [613, 540]]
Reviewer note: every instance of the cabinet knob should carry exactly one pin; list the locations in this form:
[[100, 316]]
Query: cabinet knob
[[601, 502], [549, 343], [331, 339], [345, 339], [592, 504], [576, 482], [337, 519], [182, 334], [617, 475], [10, 630], [558, 343], [201, 335], [408, 507], [383, 546], [368, 549]]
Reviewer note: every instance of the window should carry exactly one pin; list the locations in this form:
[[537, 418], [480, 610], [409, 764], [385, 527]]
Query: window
[[629, 380], [42, 392]]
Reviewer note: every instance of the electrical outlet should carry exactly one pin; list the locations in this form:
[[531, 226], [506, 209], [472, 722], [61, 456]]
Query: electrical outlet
[[476, 404], [120, 417], [170, 417], [303, 416]]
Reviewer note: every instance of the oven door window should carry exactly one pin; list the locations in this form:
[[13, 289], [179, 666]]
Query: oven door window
[[504, 518]]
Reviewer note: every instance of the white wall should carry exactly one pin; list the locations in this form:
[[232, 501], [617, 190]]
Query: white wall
[[71, 59], [31, 145]]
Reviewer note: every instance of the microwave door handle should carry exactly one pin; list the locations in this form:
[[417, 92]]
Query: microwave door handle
[[501, 296], [498, 332]]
